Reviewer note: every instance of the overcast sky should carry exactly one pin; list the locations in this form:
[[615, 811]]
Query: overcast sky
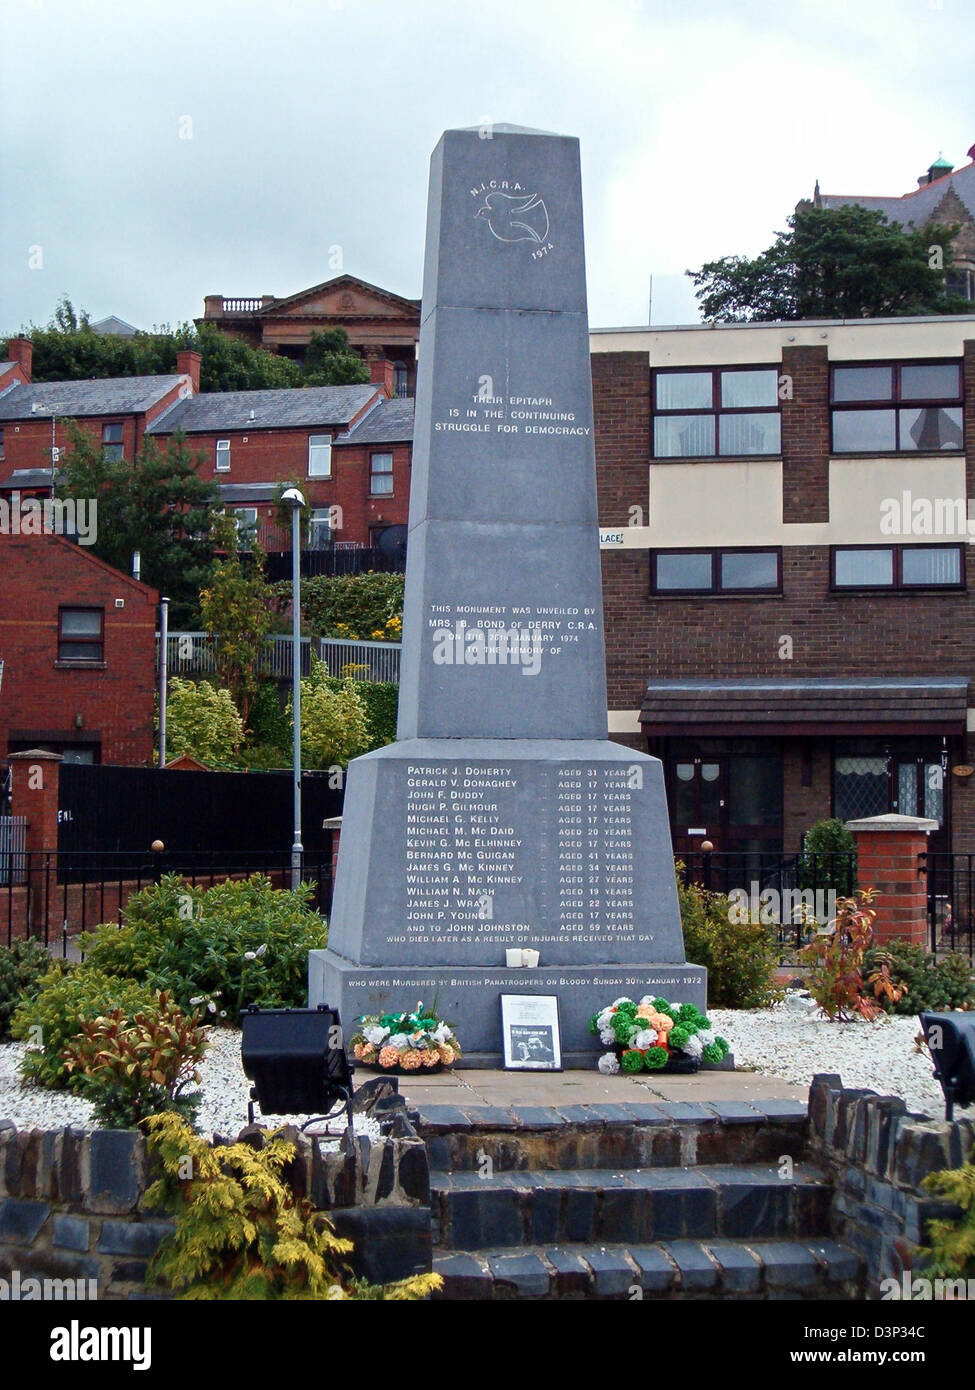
[[155, 152]]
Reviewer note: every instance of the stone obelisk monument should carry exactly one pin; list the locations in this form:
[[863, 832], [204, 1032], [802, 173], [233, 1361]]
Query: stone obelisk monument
[[503, 817]]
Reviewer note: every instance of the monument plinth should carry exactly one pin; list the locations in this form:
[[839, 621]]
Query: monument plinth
[[503, 816]]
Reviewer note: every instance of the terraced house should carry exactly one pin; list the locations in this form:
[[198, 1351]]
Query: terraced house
[[789, 607]]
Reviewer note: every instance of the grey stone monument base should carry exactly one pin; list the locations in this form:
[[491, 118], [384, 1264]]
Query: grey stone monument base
[[470, 996]]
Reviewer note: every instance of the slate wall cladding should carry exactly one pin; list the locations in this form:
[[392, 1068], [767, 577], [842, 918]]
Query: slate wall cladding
[[878, 1154], [72, 1203]]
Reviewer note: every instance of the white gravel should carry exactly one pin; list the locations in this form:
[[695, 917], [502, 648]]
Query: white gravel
[[225, 1093], [794, 1041]]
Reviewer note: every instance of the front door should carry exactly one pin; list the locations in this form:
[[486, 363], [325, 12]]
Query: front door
[[919, 790], [697, 802]]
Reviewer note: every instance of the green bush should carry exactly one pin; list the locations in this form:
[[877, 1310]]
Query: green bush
[[268, 721], [134, 1068], [240, 1231], [825, 861], [22, 966], [65, 1000], [740, 957], [352, 605], [238, 943], [381, 701], [931, 983], [202, 721], [951, 1254]]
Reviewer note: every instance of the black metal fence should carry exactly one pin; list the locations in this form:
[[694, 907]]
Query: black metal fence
[[103, 809], [56, 895], [951, 902], [790, 893], [331, 561]]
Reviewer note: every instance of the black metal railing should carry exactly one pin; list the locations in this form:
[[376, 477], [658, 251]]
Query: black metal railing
[[951, 901], [57, 895], [790, 893]]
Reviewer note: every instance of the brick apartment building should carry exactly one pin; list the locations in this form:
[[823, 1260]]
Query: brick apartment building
[[116, 410], [789, 613], [77, 643], [348, 446], [382, 326]]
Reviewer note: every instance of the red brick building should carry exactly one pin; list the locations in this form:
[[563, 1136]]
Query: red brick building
[[789, 608], [348, 447], [382, 326], [77, 643], [116, 410]]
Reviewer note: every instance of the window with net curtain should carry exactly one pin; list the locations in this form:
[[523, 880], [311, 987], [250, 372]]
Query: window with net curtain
[[718, 412]]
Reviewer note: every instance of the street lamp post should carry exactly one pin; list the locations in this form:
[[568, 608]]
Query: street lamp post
[[296, 501]]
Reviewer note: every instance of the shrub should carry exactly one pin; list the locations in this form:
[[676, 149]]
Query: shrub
[[334, 727], [951, 1254], [740, 957], [234, 944], [352, 605], [134, 1068], [22, 966], [202, 721], [828, 858], [241, 1233], [381, 702], [928, 983], [66, 999], [839, 978]]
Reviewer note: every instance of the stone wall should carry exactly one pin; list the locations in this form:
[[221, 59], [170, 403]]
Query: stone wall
[[878, 1154], [72, 1203]]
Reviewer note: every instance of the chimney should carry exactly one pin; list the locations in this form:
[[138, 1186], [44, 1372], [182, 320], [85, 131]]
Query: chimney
[[382, 373], [21, 351], [213, 306], [188, 364]]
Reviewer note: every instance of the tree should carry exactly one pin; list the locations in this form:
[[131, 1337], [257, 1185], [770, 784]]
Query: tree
[[329, 361], [69, 350], [847, 262], [236, 608], [158, 504], [202, 721], [334, 725]]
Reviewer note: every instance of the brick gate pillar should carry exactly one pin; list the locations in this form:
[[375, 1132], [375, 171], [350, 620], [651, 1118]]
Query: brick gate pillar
[[35, 778], [889, 850]]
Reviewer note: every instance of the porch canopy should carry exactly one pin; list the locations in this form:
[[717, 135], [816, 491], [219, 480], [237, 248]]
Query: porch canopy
[[842, 705]]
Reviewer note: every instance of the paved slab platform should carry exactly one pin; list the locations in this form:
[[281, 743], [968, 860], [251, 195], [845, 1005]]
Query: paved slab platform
[[507, 1088]]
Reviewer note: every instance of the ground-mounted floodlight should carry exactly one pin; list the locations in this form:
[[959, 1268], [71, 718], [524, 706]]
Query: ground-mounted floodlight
[[951, 1040], [297, 1061]]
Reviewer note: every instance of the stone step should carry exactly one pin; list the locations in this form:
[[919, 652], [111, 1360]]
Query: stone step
[[714, 1268], [635, 1135], [471, 1211]]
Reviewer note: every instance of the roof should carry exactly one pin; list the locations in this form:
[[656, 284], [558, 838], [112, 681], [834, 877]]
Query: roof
[[114, 326], [27, 477], [290, 406], [247, 492], [917, 207], [272, 309], [818, 706], [390, 423], [122, 395]]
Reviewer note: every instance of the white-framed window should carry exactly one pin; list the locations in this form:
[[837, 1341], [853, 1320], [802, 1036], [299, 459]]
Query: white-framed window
[[223, 456], [245, 520], [381, 475], [320, 528], [319, 456], [112, 441]]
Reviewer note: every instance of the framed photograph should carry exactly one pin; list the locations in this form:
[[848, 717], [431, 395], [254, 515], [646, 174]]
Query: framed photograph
[[530, 1032]]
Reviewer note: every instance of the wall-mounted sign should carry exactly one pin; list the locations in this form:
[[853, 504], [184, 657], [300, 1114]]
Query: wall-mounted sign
[[611, 537], [962, 770]]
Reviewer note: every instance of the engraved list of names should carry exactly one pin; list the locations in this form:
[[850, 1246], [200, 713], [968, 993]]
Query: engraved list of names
[[497, 854]]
